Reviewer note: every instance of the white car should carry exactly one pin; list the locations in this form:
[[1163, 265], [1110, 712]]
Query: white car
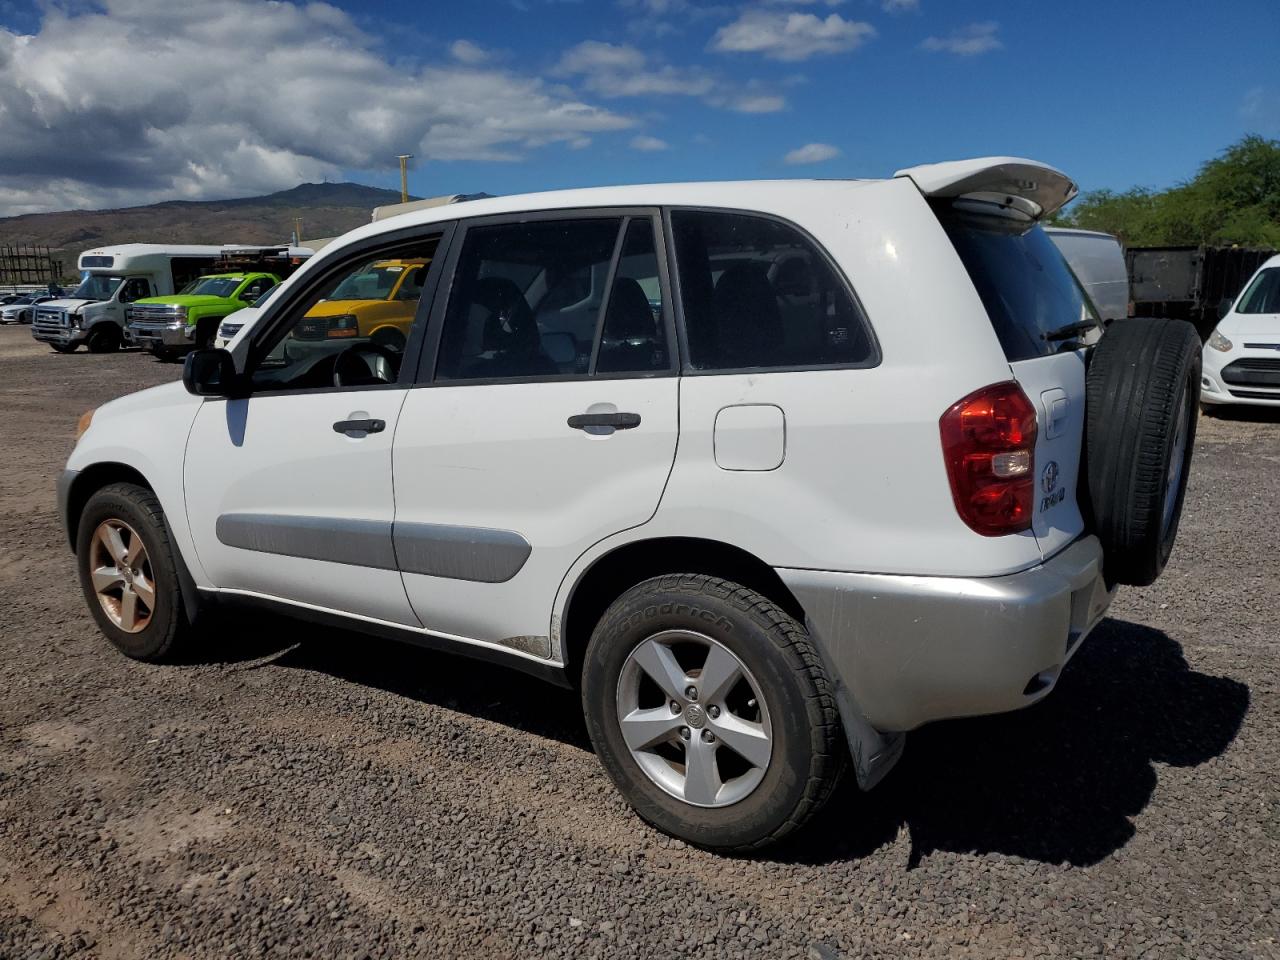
[[1242, 355], [767, 520], [23, 309]]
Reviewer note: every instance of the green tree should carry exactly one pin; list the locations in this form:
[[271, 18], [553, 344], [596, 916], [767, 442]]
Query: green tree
[[1233, 199]]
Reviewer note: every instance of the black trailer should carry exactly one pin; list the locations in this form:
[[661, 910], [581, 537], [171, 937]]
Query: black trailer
[[1189, 283]]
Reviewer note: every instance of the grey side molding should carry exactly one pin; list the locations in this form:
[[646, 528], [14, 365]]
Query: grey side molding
[[478, 554], [363, 543]]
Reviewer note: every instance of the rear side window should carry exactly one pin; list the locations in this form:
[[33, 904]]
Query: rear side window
[[555, 298], [1031, 295], [1263, 295], [757, 294]]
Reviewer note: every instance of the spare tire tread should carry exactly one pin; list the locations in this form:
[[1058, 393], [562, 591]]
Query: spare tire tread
[[1140, 373]]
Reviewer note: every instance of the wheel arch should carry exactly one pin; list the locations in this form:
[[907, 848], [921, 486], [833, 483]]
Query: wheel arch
[[88, 481], [614, 572]]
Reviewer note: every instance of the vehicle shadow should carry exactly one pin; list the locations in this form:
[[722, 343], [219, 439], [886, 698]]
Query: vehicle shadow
[[1244, 413], [1057, 782], [487, 691]]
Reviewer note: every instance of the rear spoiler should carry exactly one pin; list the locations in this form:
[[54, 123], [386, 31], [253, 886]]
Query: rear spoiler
[[1033, 188]]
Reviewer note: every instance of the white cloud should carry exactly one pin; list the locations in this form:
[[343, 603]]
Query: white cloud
[[812, 153], [621, 70], [759, 103], [790, 36], [899, 6], [464, 51], [648, 143], [150, 100], [969, 41]]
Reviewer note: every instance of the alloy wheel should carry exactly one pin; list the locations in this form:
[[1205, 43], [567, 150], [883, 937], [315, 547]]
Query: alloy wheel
[[694, 718], [120, 570]]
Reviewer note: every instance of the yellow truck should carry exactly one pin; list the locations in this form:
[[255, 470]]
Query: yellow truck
[[377, 303]]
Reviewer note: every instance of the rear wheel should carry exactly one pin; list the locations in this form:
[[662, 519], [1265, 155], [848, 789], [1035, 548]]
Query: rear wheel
[[711, 712], [1142, 393], [128, 572], [104, 338]]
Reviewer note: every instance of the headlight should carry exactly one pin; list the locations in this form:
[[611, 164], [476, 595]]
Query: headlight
[[1219, 342], [180, 312], [82, 424], [345, 325]]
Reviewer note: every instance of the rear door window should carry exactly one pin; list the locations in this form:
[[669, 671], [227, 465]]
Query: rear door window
[[555, 298], [757, 294], [1032, 297]]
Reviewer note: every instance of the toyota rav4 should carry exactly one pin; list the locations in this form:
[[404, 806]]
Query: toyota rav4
[[772, 473]]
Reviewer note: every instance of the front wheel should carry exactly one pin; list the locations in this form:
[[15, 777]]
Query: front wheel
[[128, 572], [711, 712], [104, 338]]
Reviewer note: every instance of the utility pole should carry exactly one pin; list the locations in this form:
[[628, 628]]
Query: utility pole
[[297, 230], [404, 159]]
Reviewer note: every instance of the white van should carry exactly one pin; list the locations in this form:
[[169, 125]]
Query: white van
[[1097, 259], [110, 279]]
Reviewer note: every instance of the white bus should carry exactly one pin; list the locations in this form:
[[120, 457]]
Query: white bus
[[110, 279]]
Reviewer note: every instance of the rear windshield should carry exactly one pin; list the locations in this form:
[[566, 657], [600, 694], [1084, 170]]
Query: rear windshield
[[1263, 295], [1032, 297]]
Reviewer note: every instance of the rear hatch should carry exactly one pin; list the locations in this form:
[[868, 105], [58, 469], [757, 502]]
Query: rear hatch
[[991, 210]]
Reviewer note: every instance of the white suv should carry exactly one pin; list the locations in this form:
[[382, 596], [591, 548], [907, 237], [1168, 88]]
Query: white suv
[[773, 472]]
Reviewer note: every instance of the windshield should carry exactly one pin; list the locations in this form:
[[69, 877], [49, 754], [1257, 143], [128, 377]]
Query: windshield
[[374, 282], [1263, 295], [97, 287], [212, 287], [1030, 293]]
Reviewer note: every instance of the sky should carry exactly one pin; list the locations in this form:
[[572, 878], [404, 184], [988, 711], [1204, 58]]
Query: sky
[[108, 103]]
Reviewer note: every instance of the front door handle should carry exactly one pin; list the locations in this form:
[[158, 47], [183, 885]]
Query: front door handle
[[360, 427], [618, 421]]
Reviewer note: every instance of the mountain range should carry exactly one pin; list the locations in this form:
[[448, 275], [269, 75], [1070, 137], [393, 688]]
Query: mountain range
[[326, 209]]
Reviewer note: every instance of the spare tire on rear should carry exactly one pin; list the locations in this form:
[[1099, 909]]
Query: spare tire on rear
[[1142, 393]]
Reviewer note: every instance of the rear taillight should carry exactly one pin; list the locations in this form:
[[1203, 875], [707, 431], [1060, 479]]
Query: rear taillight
[[989, 444]]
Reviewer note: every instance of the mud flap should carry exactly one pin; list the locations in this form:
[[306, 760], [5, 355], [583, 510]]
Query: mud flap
[[874, 753]]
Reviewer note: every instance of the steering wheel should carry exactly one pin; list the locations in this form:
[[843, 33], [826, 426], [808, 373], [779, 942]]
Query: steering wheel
[[363, 364]]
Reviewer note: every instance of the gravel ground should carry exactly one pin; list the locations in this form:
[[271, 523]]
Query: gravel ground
[[307, 792]]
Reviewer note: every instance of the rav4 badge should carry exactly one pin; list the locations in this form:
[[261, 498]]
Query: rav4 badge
[[1054, 494]]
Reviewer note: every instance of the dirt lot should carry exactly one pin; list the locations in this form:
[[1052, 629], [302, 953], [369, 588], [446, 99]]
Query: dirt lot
[[313, 793]]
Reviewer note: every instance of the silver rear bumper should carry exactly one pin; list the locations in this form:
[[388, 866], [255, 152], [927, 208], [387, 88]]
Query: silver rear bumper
[[908, 650]]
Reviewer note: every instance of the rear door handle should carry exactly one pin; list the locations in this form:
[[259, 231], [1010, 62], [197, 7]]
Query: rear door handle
[[619, 421], [359, 426]]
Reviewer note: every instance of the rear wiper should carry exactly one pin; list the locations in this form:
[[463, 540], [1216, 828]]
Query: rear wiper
[[1070, 330]]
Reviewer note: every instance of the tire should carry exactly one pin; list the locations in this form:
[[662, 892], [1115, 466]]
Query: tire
[[161, 637], [206, 330], [1142, 390], [755, 804], [104, 338], [165, 354], [389, 338]]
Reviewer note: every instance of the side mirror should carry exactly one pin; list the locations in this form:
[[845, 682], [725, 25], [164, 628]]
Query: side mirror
[[1224, 307], [210, 373], [249, 298]]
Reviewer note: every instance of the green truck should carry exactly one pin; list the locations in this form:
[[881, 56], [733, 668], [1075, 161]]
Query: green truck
[[170, 326]]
